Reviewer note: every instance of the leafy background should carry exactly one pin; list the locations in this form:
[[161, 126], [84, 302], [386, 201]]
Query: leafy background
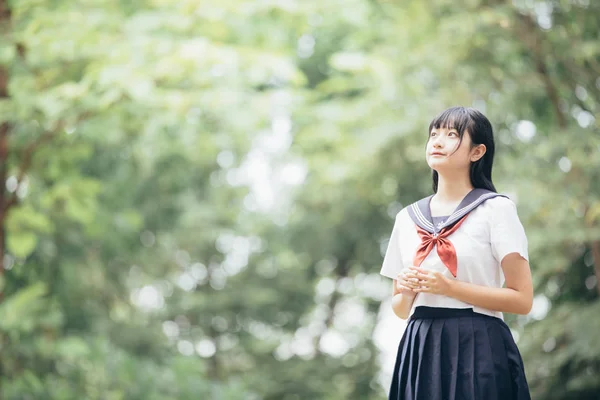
[[198, 194]]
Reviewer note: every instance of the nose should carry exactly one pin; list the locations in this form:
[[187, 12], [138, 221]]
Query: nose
[[436, 141]]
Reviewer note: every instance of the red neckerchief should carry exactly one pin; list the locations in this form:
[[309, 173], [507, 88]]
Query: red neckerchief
[[445, 248]]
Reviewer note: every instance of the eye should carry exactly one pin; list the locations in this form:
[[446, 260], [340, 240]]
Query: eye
[[433, 134], [453, 133]]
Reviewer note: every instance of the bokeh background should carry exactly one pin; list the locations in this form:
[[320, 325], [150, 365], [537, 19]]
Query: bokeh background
[[197, 195]]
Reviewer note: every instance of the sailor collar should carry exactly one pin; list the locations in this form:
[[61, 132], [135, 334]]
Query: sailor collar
[[420, 211]]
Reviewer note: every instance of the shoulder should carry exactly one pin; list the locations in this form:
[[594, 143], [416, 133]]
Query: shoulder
[[501, 210], [402, 214], [500, 203], [403, 218]]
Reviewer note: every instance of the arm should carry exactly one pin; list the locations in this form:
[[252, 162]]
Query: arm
[[516, 297]]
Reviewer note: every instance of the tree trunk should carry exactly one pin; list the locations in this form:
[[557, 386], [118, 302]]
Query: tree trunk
[[4, 132], [596, 254]]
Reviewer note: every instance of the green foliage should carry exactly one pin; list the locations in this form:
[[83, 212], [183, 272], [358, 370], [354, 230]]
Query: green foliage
[[198, 195]]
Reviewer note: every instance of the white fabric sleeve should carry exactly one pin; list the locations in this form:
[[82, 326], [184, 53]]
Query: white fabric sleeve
[[507, 234], [392, 262]]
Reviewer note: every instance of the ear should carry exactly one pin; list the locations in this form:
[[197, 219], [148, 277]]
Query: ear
[[478, 152]]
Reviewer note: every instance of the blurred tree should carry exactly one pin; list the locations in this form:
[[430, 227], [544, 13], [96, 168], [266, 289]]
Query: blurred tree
[[533, 70], [98, 151], [197, 196]]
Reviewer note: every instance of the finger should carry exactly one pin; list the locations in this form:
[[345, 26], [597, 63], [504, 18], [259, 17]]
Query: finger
[[420, 277], [406, 289], [409, 284], [415, 269], [413, 277], [423, 275], [402, 276], [412, 274], [404, 282], [408, 274], [409, 277], [424, 284]]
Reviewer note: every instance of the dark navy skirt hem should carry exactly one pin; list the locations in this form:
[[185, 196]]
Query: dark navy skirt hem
[[457, 354]]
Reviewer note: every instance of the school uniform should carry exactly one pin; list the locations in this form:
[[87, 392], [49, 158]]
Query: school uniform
[[452, 350]]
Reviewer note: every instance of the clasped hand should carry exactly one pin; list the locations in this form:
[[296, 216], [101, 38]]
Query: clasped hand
[[418, 280]]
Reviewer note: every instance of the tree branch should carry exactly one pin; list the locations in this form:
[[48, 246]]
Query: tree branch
[[529, 35], [4, 11], [596, 255], [342, 272], [26, 158]]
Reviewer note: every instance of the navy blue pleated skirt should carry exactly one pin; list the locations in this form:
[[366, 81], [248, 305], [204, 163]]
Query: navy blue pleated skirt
[[457, 354]]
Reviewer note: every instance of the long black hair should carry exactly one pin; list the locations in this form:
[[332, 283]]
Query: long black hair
[[480, 130]]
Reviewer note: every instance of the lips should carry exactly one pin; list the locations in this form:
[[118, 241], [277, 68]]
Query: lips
[[437, 154]]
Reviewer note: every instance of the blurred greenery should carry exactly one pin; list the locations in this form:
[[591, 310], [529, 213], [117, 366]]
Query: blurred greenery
[[197, 195]]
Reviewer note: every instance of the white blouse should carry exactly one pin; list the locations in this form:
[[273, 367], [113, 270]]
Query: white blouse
[[490, 232]]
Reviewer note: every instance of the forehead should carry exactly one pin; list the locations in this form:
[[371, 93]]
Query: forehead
[[444, 129], [451, 118]]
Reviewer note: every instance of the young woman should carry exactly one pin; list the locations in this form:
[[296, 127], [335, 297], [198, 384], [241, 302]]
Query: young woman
[[449, 255]]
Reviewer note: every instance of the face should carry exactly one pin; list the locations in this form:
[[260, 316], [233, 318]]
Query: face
[[446, 152]]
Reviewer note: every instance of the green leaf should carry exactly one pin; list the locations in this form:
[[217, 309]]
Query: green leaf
[[18, 311], [21, 244]]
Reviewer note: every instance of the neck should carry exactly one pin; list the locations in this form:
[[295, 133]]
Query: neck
[[452, 187]]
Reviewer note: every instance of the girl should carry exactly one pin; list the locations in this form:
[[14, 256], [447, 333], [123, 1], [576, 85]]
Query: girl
[[449, 255]]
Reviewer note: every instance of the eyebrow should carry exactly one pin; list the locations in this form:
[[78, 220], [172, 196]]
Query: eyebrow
[[450, 129]]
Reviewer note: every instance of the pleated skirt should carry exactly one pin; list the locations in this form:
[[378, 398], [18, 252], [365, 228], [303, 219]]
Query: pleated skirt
[[457, 354]]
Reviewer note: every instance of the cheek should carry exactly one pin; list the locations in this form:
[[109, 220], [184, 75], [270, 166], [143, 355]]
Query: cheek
[[461, 156], [457, 147], [427, 150]]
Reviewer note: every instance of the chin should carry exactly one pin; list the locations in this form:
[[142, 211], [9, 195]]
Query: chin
[[436, 165]]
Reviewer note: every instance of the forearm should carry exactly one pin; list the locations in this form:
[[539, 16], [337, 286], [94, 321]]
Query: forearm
[[401, 304], [496, 299]]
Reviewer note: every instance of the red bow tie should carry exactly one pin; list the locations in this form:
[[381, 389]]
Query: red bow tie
[[445, 248]]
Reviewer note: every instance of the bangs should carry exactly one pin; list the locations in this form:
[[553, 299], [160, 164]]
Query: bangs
[[453, 118]]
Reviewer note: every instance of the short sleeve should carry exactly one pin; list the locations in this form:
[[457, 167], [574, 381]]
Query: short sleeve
[[392, 261], [507, 234]]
